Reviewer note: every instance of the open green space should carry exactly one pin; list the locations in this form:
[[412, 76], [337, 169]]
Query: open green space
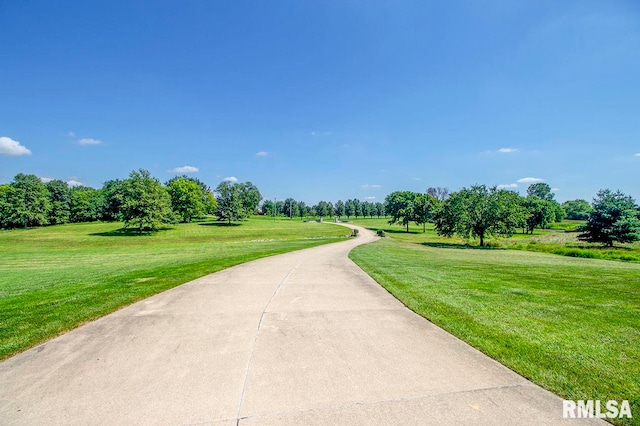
[[55, 278], [568, 324]]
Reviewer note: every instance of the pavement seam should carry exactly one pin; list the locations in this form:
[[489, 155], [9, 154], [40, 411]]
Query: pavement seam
[[384, 401], [255, 338]]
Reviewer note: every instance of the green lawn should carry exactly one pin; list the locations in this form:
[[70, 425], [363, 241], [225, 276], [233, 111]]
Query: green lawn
[[571, 325], [55, 278]]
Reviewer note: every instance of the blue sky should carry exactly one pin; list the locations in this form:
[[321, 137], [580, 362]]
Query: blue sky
[[325, 99]]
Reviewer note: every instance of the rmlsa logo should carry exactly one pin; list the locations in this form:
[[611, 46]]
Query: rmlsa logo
[[593, 408]]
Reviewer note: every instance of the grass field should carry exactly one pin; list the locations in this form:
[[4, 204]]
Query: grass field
[[569, 324], [54, 279]]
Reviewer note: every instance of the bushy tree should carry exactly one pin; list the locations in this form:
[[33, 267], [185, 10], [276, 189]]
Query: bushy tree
[[303, 210], [349, 208], [426, 208], [577, 209], [539, 212], [614, 219], [479, 212], [208, 199], [187, 199], [113, 195], [540, 190], [380, 210], [146, 203], [339, 209], [59, 201], [401, 206], [268, 208], [290, 208], [25, 202], [250, 196], [86, 204]]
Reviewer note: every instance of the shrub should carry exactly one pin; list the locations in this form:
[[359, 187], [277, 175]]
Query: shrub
[[354, 232], [380, 233]]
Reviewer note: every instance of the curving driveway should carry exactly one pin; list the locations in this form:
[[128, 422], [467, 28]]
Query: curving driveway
[[301, 338]]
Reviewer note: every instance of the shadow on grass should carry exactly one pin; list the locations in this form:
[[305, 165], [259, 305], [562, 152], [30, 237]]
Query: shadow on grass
[[394, 231], [459, 246], [129, 232], [219, 224]]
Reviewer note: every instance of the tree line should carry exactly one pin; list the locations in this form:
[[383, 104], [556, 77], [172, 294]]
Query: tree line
[[140, 201], [481, 211], [299, 209]]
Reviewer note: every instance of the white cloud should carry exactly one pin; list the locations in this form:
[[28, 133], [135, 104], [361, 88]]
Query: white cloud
[[416, 178], [231, 179], [555, 189], [10, 147], [89, 141], [507, 150], [637, 155], [370, 198], [46, 179], [72, 134], [507, 186], [313, 133], [530, 180], [73, 182], [366, 185], [185, 169], [262, 153]]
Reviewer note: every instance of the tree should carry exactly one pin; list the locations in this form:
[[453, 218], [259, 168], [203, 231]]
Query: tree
[[539, 212], [146, 203], [250, 196], [426, 208], [577, 209], [401, 206], [208, 199], [59, 201], [614, 218], [113, 196], [303, 210], [479, 212], [25, 202], [231, 204], [380, 210], [541, 190], [86, 204], [340, 209], [290, 208], [268, 208], [187, 199], [349, 208]]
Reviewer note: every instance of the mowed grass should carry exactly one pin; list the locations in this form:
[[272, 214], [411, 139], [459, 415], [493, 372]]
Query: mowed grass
[[55, 278], [571, 325]]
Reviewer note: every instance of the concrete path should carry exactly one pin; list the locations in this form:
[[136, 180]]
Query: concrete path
[[305, 338]]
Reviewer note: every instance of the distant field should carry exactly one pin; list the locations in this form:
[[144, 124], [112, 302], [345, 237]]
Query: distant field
[[570, 325], [53, 279], [561, 239]]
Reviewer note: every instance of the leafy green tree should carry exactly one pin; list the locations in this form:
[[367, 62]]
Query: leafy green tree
[[350, 208], [614, 219], [401, 206], [231, 206], [250, 196], [330, 209], [187, 199], [322, 209], [358, 208], [539, 212], [208, 199], [426, 208], [340, 209], [577, 209], [268, 208], [280, 208], [86, 204], [25, 202], [290, 208], [380, 210], [59, 201], [303, 210], [479, 212], [146, 203], [113, 196], [540, 190]]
